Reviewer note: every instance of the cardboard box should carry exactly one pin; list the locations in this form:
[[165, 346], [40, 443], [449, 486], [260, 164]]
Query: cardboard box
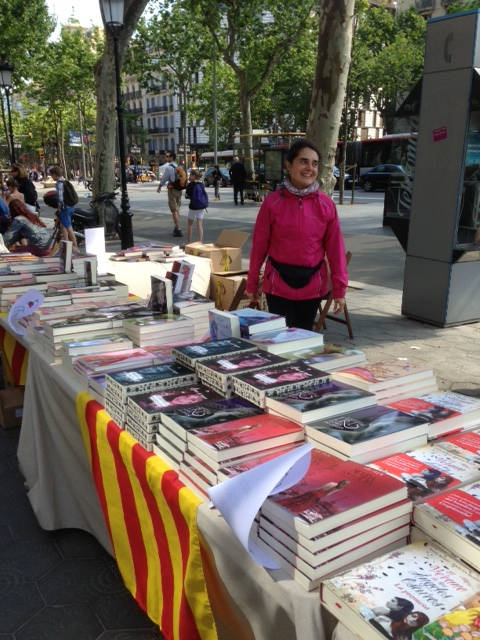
[[225, 253], [11, 407], [223, 288]]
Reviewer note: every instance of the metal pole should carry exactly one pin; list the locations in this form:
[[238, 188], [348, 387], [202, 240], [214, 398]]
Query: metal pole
[[83, 146], [215, 134], [126, 231], [12, 145]]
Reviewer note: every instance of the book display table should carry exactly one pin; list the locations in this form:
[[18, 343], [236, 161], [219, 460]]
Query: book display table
[[178, 557]]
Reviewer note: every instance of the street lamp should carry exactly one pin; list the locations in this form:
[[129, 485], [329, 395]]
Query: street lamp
[[6, 71], [113, 14]]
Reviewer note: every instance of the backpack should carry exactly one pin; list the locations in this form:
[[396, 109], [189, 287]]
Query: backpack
[[199, 198], [180, 178], [70, 197]]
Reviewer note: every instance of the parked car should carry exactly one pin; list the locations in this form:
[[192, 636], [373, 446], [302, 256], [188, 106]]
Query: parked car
[[379, 177], [208, 177], [336, 174]]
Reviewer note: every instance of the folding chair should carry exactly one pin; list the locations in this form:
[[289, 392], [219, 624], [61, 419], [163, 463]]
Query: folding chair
[[327, 303]]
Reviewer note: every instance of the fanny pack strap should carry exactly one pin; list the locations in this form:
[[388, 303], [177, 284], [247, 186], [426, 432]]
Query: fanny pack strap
[[284, 265]]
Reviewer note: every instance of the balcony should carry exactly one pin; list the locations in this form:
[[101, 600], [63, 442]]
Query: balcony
[[158, 109], [425, 6], [163, 130]]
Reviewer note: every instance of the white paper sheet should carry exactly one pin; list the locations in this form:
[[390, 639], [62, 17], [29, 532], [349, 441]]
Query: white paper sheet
[[240, 498], [21, 310], [95, 245]]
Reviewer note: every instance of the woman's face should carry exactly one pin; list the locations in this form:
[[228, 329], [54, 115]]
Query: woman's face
[[303, 171]]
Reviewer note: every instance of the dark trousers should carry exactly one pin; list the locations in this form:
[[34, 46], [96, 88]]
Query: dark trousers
[[238, 188], [298, 313]]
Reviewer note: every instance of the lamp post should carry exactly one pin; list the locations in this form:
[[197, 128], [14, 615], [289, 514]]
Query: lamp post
[[6, 71], [113, 14]]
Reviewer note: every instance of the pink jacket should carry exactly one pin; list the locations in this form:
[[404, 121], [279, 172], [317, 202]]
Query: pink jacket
[[298, 231]]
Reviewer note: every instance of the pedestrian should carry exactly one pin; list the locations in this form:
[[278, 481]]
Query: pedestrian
[[64, 212], [217, 178], [198, 204], [27, 230], [238, 176], [25, 186], [175, 183], [297, 227], [12, 191]]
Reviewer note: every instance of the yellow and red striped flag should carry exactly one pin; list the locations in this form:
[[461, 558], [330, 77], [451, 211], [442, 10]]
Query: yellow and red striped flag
[[15, 359]]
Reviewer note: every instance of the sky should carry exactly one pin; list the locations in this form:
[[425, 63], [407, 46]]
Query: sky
[[87, 12]]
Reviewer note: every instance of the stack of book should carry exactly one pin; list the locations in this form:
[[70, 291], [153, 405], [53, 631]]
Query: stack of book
[[256, 386], [465, 444], [195, 307], [282, 341], [429, 470], [242, 323], [158, 252], [190, 355], [218, 372], [9, 293], [390, 380], [159, 329], [446, 411], [339, 512], [69, 349], [120, 385], [329, 357], [115, 361], [368, 434], [207, 449], [396, 594], [144, 412]]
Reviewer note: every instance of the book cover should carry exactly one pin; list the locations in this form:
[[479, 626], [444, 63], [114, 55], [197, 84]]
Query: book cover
[[322, 400], [152, 403], [184, 269], [280, 376], [365, 429], [327, 357], [233, 364], [244, 435], [383, 374], [282, 340], [223, 325], [161, 297], [105, 361], [211, 349], [396, 594], [428, 470], [177, 281], [114, 342], [331, 493], [254, 321], [466, 445], [462, 623], [65, 255]]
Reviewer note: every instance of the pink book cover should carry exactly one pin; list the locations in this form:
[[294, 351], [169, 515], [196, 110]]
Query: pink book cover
[[428, 471], [280, 376], [333, 486], [115, 357], [253, 429], [382, 371], [155, 401], [427, 410]]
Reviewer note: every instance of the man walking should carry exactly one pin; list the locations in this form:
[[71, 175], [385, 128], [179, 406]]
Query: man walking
[[238, 176], [174, 184]]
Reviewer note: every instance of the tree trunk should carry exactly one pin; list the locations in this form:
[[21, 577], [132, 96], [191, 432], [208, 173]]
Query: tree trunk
[[246, 128], [106, 123], [335, 18]]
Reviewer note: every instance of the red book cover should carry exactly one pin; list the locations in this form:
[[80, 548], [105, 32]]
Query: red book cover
[[155, 401], [466, 445], [332, 486], [423, 409], [223, 441]]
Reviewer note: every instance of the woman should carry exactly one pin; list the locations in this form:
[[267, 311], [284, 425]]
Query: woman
[[25, 186], [217, 177], [12, 191], [27, 226], [296, 228]]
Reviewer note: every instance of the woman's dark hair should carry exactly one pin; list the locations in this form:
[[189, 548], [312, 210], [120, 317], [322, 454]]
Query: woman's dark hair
[[11, 182], [22, 173], [17, 208], [297, 146]]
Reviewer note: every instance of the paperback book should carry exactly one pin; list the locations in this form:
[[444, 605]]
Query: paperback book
[[462, 623], [127, 359], [254, 321], [121, 384], [161, 297], [186, 270], [428, 471], [396, 594], [319, 401], [328, 357], [453, 520], [223, 325], [332, 493], [282, 340], [115, 342], [465, 444], [189, 355], [256, 385], [243, 436], [383, 375], [366, 430]]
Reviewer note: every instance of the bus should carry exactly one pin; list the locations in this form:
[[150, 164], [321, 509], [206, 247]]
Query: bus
[[395, 148]]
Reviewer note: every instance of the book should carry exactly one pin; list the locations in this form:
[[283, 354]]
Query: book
[[181, 419], [328, 357], [127, 359], [245, 435], [332, 493], [254, 321], [465, 444], [453, 519], [462, 623], [185, 269], [428, 470], [115, 342], [446, 411], [82, 322], [122, 384], [399, 592], [218, 372], [383, 375], [148, 407], [161, 297], [189, 355], [176, 280], [65, 255], [319, 401], [282, 340], [257, 385], [366, 430], [222, 325]]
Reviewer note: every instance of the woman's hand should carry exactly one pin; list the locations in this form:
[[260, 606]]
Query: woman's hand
[[338, 305]]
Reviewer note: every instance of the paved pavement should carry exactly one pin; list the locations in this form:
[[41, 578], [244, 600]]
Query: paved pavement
[[374, 299]]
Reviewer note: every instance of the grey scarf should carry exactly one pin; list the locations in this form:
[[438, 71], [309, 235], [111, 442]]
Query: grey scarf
[[300, 192]]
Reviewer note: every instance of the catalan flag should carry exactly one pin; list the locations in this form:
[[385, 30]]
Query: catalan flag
[[15, 359], [151, 519]]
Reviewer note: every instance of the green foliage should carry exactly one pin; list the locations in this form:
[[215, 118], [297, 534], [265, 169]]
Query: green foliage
[[459, 7]]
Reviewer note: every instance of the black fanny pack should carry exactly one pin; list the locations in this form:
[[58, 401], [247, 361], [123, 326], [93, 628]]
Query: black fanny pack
[[295, 277]]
